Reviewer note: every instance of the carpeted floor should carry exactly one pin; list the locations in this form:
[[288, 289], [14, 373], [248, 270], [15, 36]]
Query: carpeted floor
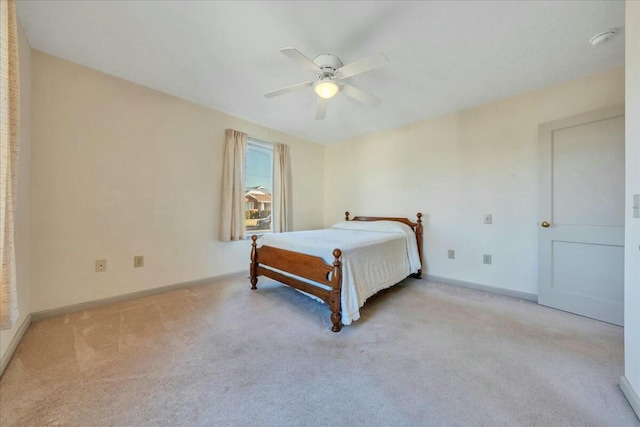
[[422, 354]]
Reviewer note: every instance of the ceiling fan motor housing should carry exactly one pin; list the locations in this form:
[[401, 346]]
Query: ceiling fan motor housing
[[328, 64]]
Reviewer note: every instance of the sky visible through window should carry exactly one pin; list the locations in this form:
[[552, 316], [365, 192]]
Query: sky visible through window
[[258, 165]]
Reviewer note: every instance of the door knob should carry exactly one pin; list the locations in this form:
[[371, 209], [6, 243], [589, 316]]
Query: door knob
[[545, 224]]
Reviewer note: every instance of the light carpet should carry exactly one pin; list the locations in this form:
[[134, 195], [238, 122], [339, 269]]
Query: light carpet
[[423, 354]]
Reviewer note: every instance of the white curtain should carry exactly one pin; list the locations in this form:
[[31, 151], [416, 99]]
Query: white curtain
[[9, 124], [232, 222], [281, 203]]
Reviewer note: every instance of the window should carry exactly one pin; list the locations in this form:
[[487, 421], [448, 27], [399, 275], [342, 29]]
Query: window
[[258, 181], [256, 187]]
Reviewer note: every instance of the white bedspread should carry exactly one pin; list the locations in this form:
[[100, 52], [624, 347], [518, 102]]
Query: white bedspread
[[375, 256]]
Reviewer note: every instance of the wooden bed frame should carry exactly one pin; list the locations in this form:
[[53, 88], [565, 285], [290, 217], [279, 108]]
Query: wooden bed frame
[[314, 268]]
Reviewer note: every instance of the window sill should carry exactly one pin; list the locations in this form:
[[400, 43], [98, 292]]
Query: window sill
[[256, 233]]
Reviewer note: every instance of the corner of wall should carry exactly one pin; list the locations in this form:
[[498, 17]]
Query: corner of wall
[[630, 382]]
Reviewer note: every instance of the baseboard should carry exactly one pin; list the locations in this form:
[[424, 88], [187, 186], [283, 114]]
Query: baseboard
[[477, 286], [631, 395], [59, 311], [6, 357]]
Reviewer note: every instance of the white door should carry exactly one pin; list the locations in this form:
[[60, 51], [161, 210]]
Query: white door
[[581, 228]]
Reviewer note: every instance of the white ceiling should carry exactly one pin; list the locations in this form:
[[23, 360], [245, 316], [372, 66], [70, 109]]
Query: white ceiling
[[444, 56]]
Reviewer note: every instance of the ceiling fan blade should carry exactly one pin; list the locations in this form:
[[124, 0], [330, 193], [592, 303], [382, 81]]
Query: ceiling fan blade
[[297, 56], [360, 96], [362, 65], [288, 89], [321, 108]]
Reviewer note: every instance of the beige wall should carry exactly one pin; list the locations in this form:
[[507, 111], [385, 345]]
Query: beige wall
[[23, 195], [120, 170], [632, 231], [456, 168]]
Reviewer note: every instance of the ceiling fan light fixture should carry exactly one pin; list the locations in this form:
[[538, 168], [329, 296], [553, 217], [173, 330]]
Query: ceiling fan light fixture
[[326, 88]]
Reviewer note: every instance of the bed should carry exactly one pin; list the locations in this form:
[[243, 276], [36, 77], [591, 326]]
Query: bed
[[343, 265]]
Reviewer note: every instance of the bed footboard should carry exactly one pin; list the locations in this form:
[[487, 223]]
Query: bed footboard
[[302, 265]]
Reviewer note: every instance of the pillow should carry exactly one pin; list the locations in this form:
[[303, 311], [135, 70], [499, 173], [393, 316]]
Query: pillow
[[379, 226]]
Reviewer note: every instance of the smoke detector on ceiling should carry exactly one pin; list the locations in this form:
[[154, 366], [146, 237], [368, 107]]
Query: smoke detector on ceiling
[[603, 37]]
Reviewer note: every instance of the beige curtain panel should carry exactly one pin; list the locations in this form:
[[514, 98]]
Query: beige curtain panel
[[281, 208], [232, 219], [9, 125]]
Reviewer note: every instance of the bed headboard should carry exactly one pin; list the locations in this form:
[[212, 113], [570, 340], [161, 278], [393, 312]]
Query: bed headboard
[[407, 221], [416, 226]]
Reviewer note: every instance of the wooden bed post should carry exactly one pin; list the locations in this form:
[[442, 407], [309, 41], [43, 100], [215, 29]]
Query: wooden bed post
[[253, 267], [346, 216], [419, 238], [336, 291]]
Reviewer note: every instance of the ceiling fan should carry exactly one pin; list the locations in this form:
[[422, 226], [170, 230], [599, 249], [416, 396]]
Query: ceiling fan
[[330, 73]]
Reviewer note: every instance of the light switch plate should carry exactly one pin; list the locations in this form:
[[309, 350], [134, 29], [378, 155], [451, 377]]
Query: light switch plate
[[488, 219], [636, 205]]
